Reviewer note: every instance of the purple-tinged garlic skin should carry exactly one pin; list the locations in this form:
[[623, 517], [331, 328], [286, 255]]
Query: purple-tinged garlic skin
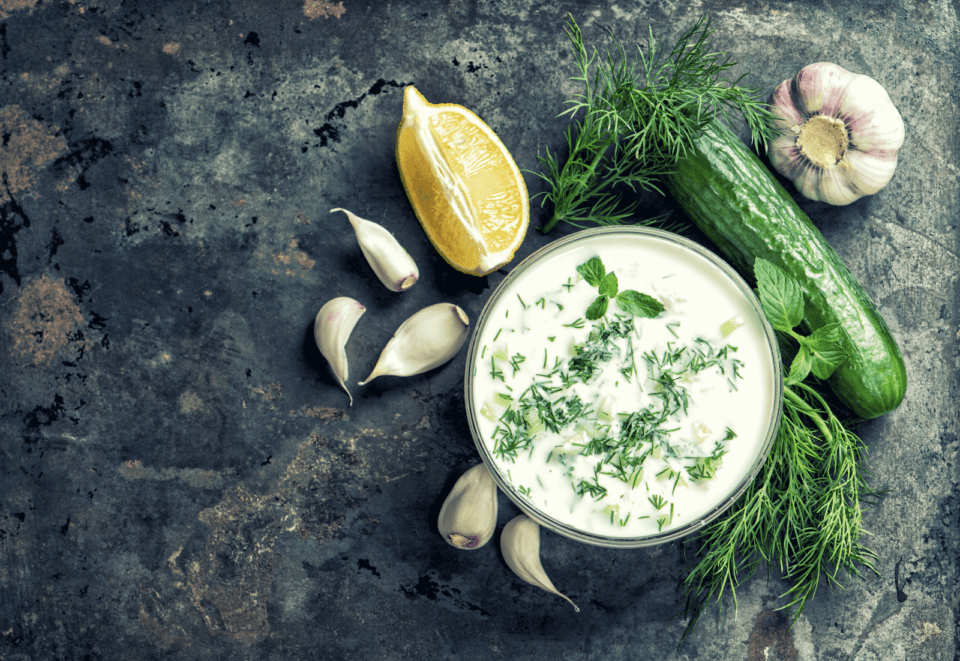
[[839, 134], [332, 328]]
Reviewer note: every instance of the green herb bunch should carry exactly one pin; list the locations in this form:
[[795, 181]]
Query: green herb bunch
[[802, 512], [639, 118]]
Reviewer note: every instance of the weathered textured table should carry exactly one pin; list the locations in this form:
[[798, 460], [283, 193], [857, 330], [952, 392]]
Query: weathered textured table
[[179, 475]]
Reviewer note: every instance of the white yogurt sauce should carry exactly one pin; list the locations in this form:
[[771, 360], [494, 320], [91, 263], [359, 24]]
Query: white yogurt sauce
[[589, 473]]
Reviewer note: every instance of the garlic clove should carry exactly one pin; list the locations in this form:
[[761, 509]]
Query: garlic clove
[[787, 117], [331, 330], [785, 157], [468, 516], [871, 172], [426, 340], [520, 545], [829, 185], [880, 128], [821, 87], [393, 265], [836, 186]]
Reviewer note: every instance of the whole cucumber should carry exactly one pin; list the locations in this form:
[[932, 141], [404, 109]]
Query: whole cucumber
[[744, 210]]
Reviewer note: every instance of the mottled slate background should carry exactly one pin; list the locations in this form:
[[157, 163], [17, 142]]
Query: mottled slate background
[[179, 475]]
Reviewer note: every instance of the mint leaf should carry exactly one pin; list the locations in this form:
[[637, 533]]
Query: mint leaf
[[609, 285], [825, 350], [592, 271], [598, 308], [639, 305], [801, 366], [780, 295]]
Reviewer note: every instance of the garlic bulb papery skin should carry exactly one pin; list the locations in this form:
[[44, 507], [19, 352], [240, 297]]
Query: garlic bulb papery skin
[[520, 545], [331, 330], [388, 259], [426, 340], [839, 134], [468, 516]]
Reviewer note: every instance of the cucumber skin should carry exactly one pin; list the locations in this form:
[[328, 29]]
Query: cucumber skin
[[743, 209]]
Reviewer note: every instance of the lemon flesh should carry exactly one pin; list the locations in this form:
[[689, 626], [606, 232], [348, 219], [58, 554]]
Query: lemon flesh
[[464, 186]]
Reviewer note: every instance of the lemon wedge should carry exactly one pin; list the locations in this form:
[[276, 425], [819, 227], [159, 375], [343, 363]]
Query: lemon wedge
[[465, 188]]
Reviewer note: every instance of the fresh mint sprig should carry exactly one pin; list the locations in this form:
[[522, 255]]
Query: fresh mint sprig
[[782, 301], [630, 301]]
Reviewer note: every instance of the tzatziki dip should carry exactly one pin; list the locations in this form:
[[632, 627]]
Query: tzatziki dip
[[623, 385]]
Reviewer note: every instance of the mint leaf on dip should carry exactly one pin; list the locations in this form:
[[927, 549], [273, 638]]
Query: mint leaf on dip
[[639, 305]]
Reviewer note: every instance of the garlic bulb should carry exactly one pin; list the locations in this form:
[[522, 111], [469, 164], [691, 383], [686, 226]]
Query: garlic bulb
[[426, 340], [392, 264], [331, 330], [520, 544], [468, 516], [839, 134]]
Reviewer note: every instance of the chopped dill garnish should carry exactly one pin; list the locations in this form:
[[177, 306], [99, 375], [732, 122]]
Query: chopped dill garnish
[[495, 372], [515, 361]]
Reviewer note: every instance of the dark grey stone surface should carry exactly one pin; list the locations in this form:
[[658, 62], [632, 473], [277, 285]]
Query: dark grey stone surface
[[179, 475]]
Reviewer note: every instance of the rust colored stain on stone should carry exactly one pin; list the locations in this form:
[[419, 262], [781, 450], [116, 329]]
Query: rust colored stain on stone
[[198, 478], [172, 48], [272, 392], [771, 638], [45, 323], [227, 583], [319, 9], [26, 146], [283, 263], [7, 7], [190, 402], [243, 530], [325, 413]]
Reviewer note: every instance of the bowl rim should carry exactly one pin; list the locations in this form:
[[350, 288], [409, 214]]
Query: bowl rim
[[523, 503]]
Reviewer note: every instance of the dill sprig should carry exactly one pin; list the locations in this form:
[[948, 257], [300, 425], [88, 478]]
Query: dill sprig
[[640, 117], [802, 513]]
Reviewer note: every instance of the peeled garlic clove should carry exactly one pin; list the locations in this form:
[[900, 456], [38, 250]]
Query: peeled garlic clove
[[839, 133], [331, 330], [468, 516], [520, 544], [392, 264], [426, 340]]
